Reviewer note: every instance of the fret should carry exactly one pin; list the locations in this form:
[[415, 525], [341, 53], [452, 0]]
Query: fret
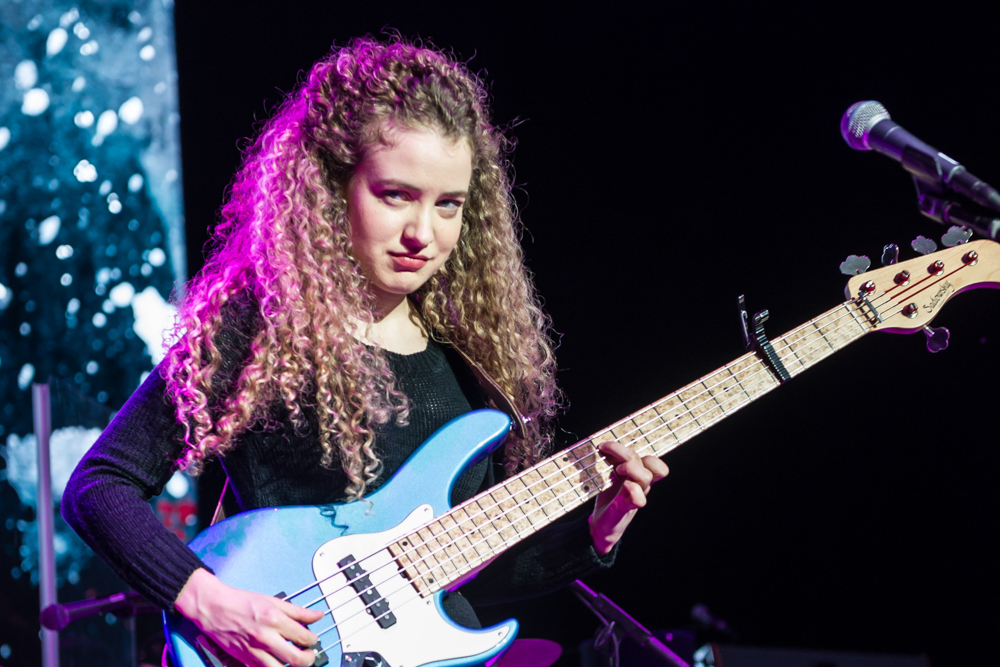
[[460, 543], [726, 390], [585, 459], [513, 514]]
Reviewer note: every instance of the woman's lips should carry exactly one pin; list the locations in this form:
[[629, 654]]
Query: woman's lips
[[408, 262]]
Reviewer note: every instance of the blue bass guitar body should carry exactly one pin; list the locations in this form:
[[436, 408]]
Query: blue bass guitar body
[[334, 558]]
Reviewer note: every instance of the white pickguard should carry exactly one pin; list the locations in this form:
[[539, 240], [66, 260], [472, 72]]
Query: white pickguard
[[420, 635]]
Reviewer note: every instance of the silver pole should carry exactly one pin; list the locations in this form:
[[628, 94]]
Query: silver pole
[[42, 413]]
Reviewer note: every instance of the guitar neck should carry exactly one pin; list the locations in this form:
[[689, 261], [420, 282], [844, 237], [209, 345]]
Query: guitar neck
[[456, 543]]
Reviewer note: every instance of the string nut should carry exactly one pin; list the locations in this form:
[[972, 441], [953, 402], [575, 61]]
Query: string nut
[[903, 277], [936, 269], [971, 258], [911, 310]]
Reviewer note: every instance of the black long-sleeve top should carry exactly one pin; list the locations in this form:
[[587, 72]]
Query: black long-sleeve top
[[275, 465]]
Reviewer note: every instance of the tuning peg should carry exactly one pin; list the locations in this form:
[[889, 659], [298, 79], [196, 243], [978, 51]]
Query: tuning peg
[[956, 236], [890, 254], [855, 265], [937, 339], [923, 245]]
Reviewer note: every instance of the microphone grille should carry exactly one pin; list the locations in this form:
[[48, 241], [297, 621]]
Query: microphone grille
[[857, 120]]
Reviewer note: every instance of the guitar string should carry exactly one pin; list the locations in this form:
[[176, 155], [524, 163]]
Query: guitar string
[[408, 584], [555, 497], [787, 345], [541, 507], [667, 422], [651, 445]]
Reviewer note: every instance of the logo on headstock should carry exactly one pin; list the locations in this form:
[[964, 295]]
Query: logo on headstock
[[942, 292]]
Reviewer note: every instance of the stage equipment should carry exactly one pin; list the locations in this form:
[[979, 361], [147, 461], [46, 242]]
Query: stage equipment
[[721, 655], [867, 126], [381, 568], [616, 623], [58, 616]]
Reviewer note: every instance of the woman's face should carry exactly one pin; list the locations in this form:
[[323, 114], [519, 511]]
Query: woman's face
[[404, 203]]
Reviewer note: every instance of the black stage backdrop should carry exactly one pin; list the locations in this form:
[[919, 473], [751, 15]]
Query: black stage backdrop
[[668, 161]]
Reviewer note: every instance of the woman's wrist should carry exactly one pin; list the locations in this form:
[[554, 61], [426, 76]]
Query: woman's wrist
[[188, 602]]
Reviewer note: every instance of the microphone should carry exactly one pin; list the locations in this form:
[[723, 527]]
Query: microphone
[[867, 126]]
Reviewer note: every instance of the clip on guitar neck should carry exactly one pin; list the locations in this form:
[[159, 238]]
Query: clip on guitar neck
[[759, 342]]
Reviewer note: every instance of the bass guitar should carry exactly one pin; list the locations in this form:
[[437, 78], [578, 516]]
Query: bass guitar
[[379, 568]]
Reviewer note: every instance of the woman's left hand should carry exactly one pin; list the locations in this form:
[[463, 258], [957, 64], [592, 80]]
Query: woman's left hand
[[615, 507]]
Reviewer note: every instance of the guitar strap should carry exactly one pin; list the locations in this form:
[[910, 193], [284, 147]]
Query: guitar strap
[[501, 399]]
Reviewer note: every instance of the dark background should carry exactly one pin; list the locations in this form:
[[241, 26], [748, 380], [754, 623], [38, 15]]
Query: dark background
[[669, 160]]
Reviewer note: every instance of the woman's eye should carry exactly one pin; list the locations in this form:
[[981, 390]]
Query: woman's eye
[[394, 195], [451, 204]]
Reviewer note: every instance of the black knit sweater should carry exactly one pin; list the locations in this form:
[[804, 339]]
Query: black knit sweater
[[106, 498]]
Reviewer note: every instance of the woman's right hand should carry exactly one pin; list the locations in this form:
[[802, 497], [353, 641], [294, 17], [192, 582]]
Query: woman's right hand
[[253, 628]]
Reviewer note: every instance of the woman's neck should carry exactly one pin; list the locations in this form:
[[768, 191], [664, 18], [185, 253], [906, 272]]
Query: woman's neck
[[400, 330]]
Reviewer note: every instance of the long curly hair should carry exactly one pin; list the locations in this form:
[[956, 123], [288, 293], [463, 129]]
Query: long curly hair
[[284, 238]]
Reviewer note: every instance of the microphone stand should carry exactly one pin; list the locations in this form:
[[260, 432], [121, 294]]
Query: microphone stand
[[615, 621], [58, 616], [947, 212]]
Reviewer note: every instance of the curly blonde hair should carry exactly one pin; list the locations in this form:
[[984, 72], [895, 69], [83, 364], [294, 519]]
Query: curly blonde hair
[[284, 238]]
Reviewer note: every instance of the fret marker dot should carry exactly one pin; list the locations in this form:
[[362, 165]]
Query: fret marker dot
[[565, 458], [586, 488], [405, 543]]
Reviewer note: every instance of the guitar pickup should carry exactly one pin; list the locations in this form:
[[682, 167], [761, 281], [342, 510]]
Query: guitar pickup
[[375, 604]]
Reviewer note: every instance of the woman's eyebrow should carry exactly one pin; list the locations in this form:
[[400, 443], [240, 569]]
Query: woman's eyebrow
[[402, 185]]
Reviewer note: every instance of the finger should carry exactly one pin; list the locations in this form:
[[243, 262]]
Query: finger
[[630, 497], [635, 471], [262, 658], [617, 451], [655, 466], [300, 614], [291, 628]]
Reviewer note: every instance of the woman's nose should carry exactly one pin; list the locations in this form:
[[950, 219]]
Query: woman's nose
[[419, 231]]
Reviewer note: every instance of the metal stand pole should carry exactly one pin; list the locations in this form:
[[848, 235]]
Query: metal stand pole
[[41, 412]]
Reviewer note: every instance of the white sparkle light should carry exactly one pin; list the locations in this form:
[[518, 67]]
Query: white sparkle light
[[170, 176], [135, 182], [153, 316], [64, 251], [25, 74], [56, 41], [67, 446], [107, 122], [92, 367], [131, 110], [105, 188], [90, 48], [144, 34], [21, 270], [147, 52], [115, 206], [67, 19], [81, 31], [73, 306], [99, 320], [121, 294], [108, 307], [5, 297], [83, 119], [85, 172], [103, 275], [157, 257], [25, 376], [178, 485], [36, 101], [79, 83], [66, 280], [47, 229], [4, 137]]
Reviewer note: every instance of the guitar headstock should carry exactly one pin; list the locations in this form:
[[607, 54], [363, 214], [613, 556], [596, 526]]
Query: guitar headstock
[[905, 297]]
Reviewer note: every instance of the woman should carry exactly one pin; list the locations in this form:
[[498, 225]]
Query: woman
[[369, 234]]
